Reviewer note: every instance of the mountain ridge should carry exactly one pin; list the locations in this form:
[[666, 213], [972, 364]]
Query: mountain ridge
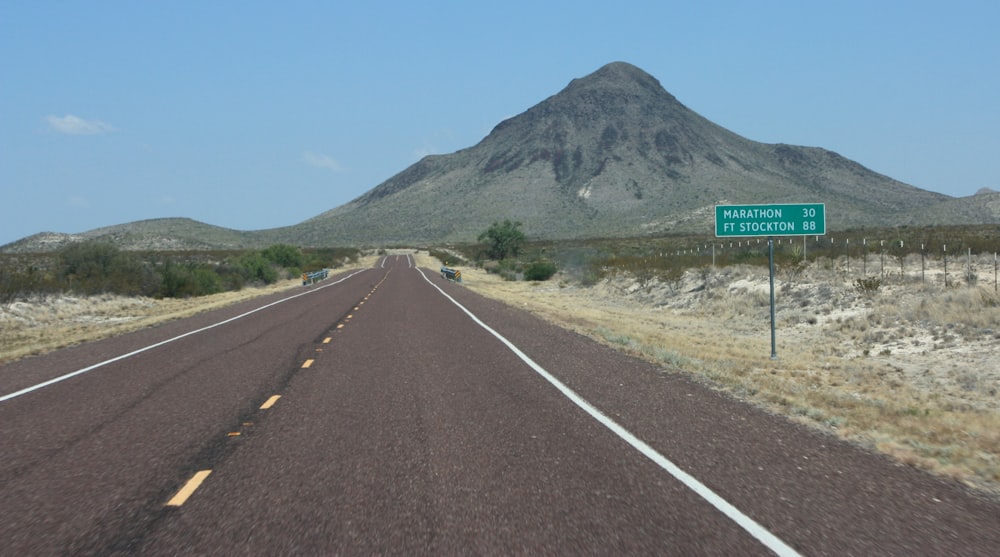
[[613, 154]]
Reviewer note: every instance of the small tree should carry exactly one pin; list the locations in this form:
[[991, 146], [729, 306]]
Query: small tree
[[505, 239]]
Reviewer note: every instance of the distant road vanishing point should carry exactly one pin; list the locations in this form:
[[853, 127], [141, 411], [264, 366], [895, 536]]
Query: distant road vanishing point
[[390, 411]]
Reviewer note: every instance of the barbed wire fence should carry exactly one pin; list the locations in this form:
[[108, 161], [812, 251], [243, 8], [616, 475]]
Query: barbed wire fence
[[860, 257]]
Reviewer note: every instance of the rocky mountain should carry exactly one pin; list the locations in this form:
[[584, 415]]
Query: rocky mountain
[[611, 155]]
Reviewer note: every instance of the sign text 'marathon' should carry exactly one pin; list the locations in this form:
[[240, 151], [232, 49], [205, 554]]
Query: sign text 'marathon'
[[770, 220]]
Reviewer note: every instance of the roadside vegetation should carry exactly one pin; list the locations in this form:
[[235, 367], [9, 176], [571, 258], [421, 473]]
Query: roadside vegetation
[[500, 249], [886, 337], [35, 322], [93, 268]]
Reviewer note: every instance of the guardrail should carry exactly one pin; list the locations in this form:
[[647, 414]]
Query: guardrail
[[451, 274], [309, 278]]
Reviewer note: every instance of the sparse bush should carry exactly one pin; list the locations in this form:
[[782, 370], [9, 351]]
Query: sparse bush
[[12, 284], [283, 255], [539, 271], [868, 286], [98, 268], [181, 281], [446, 258], [255, 268], [504, 239], [508, 269]]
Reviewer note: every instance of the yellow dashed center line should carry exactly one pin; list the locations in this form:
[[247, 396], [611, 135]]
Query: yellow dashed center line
[[195, 482], [188, 489]]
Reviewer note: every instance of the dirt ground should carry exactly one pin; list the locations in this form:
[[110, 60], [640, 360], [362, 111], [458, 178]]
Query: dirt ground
[[909, 368]]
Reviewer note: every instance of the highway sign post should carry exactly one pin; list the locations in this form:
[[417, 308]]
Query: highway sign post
[[783, 219]]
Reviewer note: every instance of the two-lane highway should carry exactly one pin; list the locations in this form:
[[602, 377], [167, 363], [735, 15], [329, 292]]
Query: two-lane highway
[[417, 432], [393, 412], [88, 456]]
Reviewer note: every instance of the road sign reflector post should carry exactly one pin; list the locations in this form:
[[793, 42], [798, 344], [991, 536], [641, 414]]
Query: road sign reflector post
[[451, 274]]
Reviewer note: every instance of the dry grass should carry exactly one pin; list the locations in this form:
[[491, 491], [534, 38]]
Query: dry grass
[[910, 371], [37, 327]]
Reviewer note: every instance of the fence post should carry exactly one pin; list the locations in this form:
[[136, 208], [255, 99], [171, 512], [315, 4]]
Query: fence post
[[902, 257], [881, 247], [968, 275], [944, 248], [923, 253]]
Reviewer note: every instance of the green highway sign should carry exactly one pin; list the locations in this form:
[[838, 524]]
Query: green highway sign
[[784, 219]]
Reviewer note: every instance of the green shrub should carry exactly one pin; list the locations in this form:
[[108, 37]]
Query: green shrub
[[181, 281], [504, 239], [283, 255], [98, 268], [255, 268], [868, 286], [540, 270]]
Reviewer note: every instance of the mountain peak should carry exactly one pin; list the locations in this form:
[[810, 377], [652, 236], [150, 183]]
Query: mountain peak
[[617, 93], [618, 74], [618, 81]]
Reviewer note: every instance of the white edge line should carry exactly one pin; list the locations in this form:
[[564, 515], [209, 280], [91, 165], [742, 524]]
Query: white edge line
[[55, 380], [751, 526]]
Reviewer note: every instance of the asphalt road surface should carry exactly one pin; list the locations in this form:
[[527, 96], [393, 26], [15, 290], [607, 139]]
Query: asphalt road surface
[[389, 411]]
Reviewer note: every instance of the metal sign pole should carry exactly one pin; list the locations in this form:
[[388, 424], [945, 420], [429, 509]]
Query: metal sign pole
[[770, 257], [787, 219]]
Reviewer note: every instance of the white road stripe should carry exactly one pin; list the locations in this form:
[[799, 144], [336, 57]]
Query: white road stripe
[[27, 390], [748, 524]]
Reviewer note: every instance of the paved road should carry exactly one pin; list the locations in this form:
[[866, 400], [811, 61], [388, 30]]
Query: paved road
[[372, 414]]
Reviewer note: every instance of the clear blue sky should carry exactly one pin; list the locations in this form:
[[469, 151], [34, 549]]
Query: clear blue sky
[[254, 115]]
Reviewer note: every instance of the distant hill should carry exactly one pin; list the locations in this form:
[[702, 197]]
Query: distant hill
[[981, 208], [154, 235], [611, 155]]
